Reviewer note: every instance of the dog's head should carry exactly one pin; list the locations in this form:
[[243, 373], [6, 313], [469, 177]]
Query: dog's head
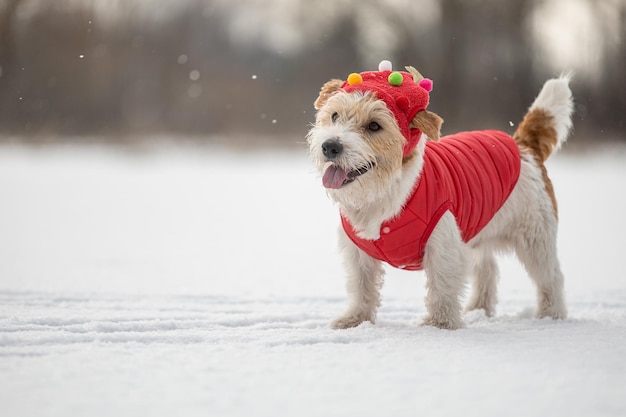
[[367, 128]]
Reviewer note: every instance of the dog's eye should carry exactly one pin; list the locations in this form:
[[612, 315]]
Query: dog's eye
[[334, 117], [373, 126]]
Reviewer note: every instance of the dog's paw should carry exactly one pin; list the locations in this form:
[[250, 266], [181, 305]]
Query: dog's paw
[[443, 323], [489, 311], [349, 320], [553, 307], [554, 313]]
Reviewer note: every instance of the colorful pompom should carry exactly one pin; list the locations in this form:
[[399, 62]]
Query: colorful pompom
[[426, 84], [384, 65], [395, 78], [355, 78]]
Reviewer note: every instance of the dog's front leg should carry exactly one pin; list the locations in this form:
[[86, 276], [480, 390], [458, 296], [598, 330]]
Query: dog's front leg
[[364, 281], [446, 261]]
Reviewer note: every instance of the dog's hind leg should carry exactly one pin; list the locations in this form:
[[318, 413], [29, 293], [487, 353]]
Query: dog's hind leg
[[364, 281], [446, 262], [536, 249], [485, 282]]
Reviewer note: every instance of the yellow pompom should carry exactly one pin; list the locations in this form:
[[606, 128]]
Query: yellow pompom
[[355, 78]]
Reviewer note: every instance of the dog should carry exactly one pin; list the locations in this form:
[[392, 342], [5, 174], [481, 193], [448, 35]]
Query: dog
[[416, 201]]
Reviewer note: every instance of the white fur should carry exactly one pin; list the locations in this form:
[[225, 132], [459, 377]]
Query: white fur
[[526, 223], [446, 263], [363, 284], [367, 219]]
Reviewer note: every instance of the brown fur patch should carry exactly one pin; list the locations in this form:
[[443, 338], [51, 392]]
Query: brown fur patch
[[546, 180], [328, 89], [550, 190], [429, 123], [537, 133]]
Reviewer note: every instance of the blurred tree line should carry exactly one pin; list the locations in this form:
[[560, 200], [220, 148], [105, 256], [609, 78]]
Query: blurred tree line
[[207, 68]]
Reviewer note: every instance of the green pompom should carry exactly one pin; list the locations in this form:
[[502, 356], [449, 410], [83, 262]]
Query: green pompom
[[395, 78]]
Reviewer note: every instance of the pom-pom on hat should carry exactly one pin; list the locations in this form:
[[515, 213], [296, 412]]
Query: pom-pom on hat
[[404, 93]]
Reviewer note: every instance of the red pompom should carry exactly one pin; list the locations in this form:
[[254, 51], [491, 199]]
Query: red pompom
[[403, 102]]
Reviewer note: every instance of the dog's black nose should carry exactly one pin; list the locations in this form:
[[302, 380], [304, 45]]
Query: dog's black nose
[[332, 148]]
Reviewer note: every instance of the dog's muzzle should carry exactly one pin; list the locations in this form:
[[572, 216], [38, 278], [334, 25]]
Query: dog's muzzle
[[336, 177]]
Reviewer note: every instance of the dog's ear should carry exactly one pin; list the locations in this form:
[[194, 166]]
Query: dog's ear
[[328, 89], [429, 123]]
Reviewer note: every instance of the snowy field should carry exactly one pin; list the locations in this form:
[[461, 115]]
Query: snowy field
[[188, 282]]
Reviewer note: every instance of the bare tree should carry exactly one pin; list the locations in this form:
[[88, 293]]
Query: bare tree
[[68, 70], [7, 39]]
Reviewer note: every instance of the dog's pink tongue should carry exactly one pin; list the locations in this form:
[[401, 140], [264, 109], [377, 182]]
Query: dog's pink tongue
[[334, 177]]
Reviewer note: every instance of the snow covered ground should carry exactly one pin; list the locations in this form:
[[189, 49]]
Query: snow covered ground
[[183, 282]]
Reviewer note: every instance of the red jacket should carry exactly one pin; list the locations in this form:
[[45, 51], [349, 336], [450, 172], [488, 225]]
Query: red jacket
[[470, 173]]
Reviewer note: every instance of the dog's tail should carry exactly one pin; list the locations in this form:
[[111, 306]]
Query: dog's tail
[[547, 124]]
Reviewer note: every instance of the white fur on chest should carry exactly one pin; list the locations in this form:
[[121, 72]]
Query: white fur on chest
[[368, 218]]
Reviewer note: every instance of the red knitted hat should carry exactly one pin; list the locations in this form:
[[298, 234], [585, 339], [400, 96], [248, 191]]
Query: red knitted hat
[[402, 95]]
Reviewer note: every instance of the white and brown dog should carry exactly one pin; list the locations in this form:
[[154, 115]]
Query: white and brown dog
[[415, 201]]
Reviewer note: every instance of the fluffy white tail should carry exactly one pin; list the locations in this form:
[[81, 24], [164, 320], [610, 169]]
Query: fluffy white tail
[[548, 122]]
